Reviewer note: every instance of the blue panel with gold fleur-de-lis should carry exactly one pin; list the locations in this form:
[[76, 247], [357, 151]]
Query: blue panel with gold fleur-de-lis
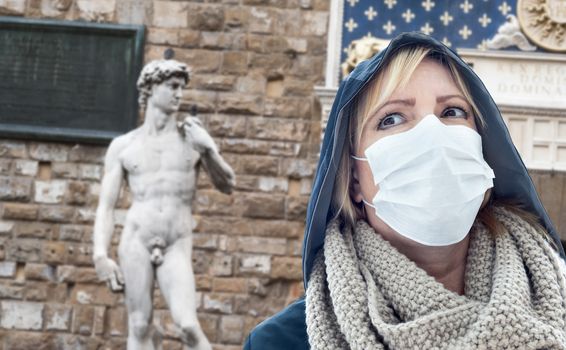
[[459, 24]]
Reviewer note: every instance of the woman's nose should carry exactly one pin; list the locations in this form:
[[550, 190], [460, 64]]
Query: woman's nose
[[425, 104], [422, 111]]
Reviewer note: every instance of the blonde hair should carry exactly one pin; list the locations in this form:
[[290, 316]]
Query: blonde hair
[[394, 75]]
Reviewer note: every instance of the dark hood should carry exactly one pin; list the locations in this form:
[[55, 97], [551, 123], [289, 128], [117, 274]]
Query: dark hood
[[512, 180]]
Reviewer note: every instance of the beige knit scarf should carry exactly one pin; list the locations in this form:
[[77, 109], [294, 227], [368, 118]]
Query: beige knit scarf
[[364, 294]]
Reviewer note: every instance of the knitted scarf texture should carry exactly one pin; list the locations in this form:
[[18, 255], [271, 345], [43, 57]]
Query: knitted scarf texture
[[364, 294]]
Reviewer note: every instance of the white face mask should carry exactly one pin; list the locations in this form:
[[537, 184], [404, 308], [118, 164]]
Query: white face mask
[[432, 180]]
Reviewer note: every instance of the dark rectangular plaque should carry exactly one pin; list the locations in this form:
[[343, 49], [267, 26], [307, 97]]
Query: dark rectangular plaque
[[70, 81]]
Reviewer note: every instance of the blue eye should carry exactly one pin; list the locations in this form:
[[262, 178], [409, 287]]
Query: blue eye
[[390, 121], [454, 112]]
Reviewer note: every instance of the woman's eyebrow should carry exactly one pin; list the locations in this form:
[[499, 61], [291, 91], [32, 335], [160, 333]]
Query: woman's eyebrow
[[406, 102], [447, 97]]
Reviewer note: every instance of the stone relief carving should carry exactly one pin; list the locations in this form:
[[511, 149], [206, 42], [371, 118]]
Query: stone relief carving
[[360, 50], [61, 5], [55, 8], [8, 7], [544, 22], [160, 161], [96, 10], [509, 34]]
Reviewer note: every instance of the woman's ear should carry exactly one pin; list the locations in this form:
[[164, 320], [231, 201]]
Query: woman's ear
[[355, 187], [486, 198]]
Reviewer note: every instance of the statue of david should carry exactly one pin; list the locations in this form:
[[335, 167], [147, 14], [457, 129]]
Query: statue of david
[[160, 161]]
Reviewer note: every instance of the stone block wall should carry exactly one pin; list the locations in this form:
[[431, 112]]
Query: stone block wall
[[551, 188], [254, 65]]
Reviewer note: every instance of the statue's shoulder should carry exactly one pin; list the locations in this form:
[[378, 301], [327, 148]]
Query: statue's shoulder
[[120, 142], [285, 330]]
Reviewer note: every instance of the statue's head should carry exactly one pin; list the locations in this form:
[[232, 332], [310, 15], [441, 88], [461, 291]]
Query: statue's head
[[164, 75]]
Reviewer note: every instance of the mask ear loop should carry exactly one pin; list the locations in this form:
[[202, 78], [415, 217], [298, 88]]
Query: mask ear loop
[[363, 215], [364, 202], [358, 158]]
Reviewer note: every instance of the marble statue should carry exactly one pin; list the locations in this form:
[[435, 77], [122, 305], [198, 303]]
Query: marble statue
[[361, 50], [509, 34], [160, 161]]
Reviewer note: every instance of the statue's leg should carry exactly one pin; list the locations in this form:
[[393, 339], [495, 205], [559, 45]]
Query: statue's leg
[[138, 275], [177, 284]]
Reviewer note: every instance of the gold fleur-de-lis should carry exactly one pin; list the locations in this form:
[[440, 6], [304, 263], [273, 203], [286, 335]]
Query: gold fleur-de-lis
[[465, 32], [466, 6], [446, 18], [370, 13], [351, 25], [408, 16], [389, 27], [484, 20], [427, 29], [428, 4], [504, 8], [390, 3]]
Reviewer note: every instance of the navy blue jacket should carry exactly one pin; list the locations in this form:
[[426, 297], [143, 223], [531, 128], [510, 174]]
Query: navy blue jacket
[[287, 329]]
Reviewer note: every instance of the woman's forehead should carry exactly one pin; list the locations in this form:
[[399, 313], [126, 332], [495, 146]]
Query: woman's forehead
[[430, 79], [430, 75]]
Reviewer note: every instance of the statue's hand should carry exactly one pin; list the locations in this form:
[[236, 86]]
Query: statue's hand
[[197, 135], [107, 270]]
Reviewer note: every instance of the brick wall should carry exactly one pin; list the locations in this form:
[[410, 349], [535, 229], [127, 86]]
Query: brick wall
[[551, 187], [255, 63]]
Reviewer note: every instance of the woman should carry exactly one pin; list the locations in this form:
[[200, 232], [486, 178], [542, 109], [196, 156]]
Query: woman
[[411, 242]]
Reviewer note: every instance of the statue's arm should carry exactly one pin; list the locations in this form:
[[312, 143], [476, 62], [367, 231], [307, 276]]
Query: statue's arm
[[107, 269], [109, 191], [221, 174]]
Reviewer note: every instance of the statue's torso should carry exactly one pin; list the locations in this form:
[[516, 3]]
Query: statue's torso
[[162, 179]]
